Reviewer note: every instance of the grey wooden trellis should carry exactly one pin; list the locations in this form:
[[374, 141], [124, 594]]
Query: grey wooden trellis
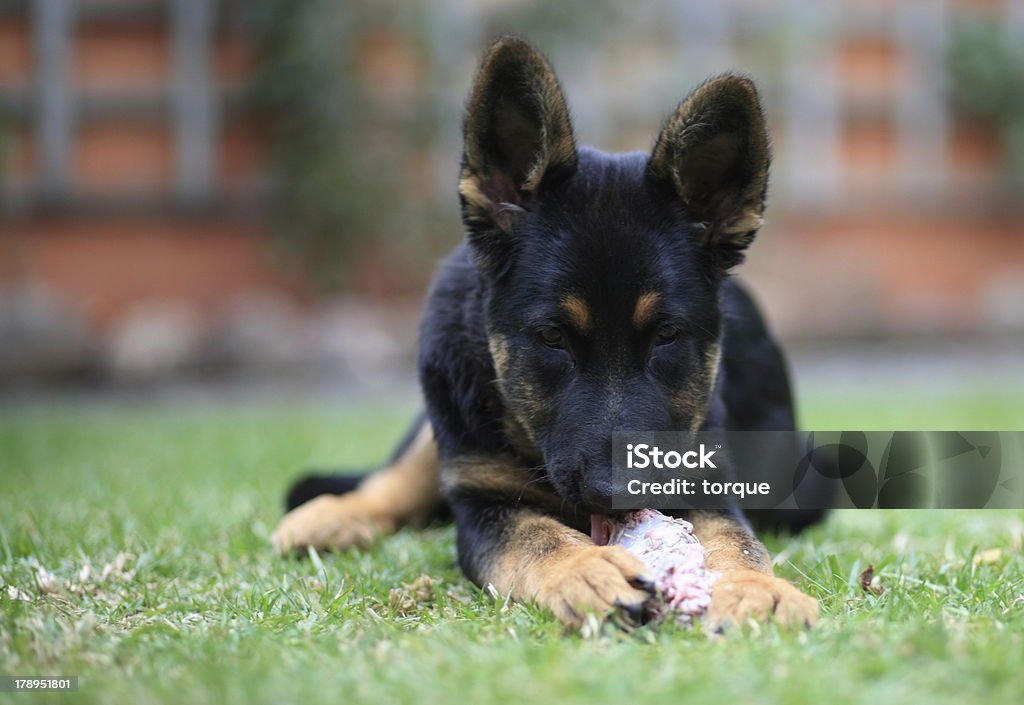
[[922, 114], [52, 22], [194, 107], [56, 107]]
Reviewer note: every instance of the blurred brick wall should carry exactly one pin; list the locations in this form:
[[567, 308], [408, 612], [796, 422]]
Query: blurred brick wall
[[870, 260], [123, 160], [79, 275]]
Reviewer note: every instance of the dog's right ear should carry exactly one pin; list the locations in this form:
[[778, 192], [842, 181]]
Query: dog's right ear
[[714, 152], [517, 139]]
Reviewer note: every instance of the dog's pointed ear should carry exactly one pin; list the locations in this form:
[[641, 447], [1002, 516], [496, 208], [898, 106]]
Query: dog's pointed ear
[[517, 137], [714, 152]]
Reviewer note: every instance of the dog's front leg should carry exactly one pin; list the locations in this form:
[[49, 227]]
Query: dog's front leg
[[509, 537], [746, 588]]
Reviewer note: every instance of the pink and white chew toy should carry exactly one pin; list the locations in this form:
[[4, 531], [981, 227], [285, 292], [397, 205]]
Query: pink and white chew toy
[[673, 554]]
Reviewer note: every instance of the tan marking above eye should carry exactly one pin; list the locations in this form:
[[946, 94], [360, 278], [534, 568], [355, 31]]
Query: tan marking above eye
[[578, 311], [499, 354], [646, 305]]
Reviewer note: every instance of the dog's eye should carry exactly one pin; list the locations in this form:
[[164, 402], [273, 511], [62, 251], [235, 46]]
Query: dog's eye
[[552, 336], [666, 334]]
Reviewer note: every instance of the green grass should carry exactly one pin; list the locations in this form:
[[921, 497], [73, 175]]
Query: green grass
[[194, 608]]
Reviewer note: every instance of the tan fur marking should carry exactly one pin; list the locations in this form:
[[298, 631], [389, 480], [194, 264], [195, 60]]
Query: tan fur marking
[[402, 493], [691, 401], [536, 538], [515, 430], [694, 399], [498, 476], [469, 188], [728, 545], [578, 311], [646, 305], [410, 487], [746, 588], [713, 359], [741, 596], [519, 438], [699, 402], [562, 570], [499, 354], [538, 557]]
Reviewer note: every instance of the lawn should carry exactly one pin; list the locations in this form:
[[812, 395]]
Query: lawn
[[133, 553]]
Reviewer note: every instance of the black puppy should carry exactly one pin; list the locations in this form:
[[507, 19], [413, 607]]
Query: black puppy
[[592, 295]]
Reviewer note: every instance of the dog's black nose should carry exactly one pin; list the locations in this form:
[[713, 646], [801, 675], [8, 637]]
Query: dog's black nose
[[597, 495]]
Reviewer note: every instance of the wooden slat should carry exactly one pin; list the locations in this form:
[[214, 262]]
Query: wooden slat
[[52, 22], [810, 165], [195, 109], [455, 32], [922, 111], [144, 105]]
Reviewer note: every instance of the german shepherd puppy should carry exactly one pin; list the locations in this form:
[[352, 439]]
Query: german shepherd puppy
[[592, 295]]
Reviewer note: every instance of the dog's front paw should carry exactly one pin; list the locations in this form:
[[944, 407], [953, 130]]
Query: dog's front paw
[[329, 522], [595, 580], [741, 595]]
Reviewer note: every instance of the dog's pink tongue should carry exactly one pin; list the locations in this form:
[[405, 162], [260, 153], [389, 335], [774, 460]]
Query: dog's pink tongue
[[600, 529]]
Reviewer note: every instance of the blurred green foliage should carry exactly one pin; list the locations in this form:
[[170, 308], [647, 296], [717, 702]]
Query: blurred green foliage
[[339, 152], [360, 104], [986, 69]]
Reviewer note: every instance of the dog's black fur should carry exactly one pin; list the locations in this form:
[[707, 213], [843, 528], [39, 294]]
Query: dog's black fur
[[593, 294]]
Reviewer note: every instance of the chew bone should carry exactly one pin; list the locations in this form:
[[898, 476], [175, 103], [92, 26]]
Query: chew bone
[[668, 547]]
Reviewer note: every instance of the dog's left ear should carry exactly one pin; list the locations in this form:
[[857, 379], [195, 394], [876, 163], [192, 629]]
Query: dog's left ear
[[714, 152], [518, 138]]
